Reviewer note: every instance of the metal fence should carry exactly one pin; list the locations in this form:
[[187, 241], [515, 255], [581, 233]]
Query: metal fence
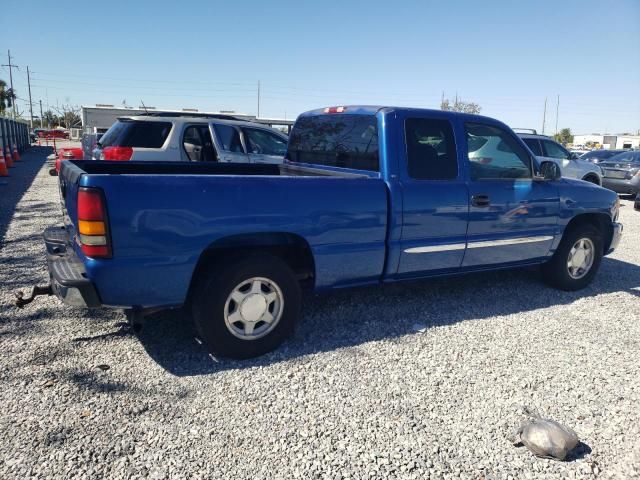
[[14, 139]]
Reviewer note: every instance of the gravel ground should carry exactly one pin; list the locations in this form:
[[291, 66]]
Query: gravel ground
[[361, 391]]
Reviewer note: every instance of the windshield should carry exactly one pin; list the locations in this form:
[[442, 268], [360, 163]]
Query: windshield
[[632, 157], [600, 154]]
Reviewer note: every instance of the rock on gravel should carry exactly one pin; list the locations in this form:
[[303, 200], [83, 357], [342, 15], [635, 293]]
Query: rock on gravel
[[359, 392]]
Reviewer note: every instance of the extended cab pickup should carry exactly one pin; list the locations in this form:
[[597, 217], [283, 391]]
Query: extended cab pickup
[[367, 195]]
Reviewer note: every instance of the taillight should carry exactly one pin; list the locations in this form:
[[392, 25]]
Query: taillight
[[92, 223], [117, 154]]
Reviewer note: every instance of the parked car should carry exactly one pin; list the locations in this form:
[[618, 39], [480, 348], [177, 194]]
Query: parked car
[[545, 148], [197, 139], [597, 156], [367, 195], [68, 153], [622, 172], [57, 133]]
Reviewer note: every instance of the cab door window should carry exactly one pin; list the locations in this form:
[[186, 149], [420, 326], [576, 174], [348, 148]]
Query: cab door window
[[494, 154], [262, 142]]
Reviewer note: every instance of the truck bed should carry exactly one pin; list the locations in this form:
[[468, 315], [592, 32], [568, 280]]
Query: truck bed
[[163, 216], [205, 168]]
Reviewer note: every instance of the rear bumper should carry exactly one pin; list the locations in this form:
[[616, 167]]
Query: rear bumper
[[621, 185], [615, 238], [66, 271]]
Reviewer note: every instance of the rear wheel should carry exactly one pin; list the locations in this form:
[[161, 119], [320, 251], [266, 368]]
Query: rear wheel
[[577, 259], [247, 307]]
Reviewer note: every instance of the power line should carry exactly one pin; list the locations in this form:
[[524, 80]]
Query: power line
[[11, 67]]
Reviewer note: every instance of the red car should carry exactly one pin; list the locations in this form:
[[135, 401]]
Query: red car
[[57, 134], [72, 153]]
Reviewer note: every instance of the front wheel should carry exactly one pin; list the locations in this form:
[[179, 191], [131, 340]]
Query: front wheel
[[248, 307], [577, 259], [592, 179]]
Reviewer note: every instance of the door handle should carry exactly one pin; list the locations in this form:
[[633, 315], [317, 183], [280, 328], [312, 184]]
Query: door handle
[[480, 200]]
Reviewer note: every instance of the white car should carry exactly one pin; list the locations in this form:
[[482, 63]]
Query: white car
[[212, 138], [545, 148]]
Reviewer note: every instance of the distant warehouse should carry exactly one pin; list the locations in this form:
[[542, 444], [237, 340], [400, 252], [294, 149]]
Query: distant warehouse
[[98, 118], [608, 142]]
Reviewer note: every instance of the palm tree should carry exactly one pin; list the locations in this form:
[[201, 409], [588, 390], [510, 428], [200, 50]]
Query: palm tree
[[7, 96]]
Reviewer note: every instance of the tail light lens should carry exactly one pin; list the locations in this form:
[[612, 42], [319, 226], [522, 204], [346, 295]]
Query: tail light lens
[[92, 223], [116, 154]]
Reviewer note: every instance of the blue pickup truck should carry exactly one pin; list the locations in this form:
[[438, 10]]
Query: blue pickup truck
[[366, 195]]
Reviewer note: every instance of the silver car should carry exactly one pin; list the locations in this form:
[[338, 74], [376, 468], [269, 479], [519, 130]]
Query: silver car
[[545, 148], [189, 138]]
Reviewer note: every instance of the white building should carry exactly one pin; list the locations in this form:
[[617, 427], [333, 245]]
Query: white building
[[608, 142]]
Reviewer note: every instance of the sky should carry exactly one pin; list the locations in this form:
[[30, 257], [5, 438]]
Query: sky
[[507, 56]]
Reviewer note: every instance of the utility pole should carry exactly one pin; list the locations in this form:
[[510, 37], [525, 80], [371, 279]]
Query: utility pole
[[30, 102], [41, 121], [557, 109], [544, 115], [11, 67], [258, 99]]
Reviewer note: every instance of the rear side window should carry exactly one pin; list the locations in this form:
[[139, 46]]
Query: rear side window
[[349, 141], [229, 138], [136, 133], [431, 151], [534, 145]]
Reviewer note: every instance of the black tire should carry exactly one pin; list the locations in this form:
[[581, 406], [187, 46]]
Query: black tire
[[214, 289], [591, 179], [556, 273]]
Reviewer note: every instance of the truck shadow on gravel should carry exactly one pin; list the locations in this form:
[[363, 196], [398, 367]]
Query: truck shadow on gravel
[[352, 317], [13, 188]]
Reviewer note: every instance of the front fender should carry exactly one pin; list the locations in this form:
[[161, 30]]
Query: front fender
[[588, 168], [583, 198]]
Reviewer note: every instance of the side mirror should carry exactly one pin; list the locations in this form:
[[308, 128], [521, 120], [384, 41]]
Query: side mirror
[[573, 156], [550, 171]]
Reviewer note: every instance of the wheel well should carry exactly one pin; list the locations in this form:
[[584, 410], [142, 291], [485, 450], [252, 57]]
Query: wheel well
[[594, 176], [601, 221], [291, 248]]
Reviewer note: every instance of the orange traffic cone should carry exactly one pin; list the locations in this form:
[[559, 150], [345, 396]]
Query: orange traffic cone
[[16, 154], [4, 171], [7, 157]]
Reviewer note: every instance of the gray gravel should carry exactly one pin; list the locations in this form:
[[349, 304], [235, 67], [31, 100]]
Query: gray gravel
[[359, 392]]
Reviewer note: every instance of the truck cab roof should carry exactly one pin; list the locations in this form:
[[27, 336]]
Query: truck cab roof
[[375, 109]]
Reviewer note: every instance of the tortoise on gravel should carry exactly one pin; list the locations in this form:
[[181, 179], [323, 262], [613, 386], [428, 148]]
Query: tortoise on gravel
[[546, 438]]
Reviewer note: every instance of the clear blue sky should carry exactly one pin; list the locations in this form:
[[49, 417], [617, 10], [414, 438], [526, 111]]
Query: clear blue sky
[[505, 55]]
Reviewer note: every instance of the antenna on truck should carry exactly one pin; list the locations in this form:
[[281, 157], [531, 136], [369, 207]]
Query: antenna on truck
[[145, 107]]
